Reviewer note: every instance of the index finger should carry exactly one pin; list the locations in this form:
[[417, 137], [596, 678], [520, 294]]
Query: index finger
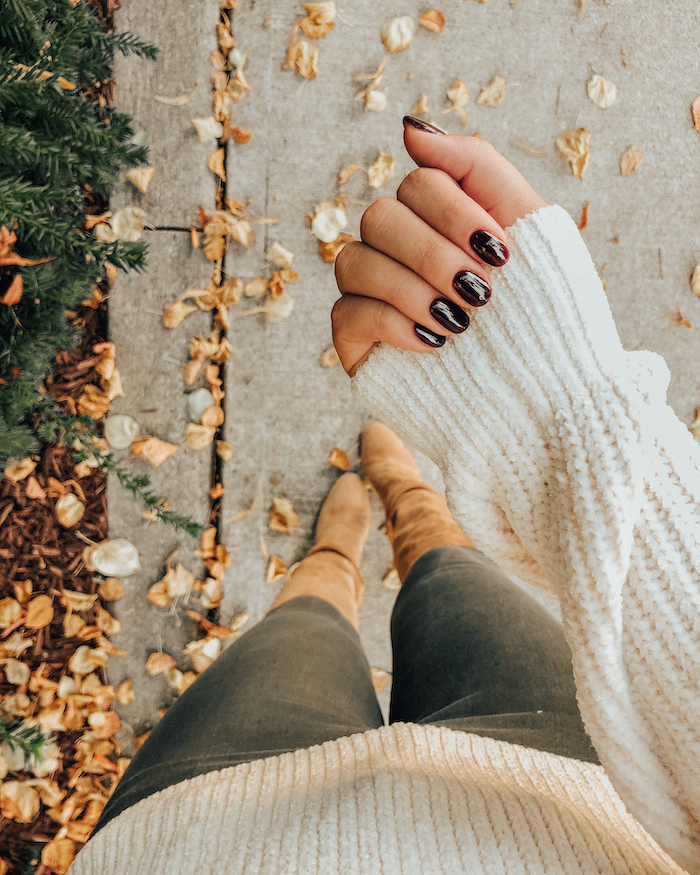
[[482, 172]]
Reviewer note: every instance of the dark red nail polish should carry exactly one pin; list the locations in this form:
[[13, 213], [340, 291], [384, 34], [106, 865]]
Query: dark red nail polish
[[489, 248], [449, 315], [428, 336], [472, 288], [422, 126]]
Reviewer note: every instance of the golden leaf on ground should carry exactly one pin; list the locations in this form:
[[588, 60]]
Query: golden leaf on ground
[[630, 160], [391, 580], [421, 106], [180, 100], [154, 450], [458, 95], [695, 281], [224, 450], [18, 469], [15, 644], [380, 678], [174, 313], [382, 170], [197, 437], [398, 33], [18, 801], [339, 459], [329, 358], [319, 19], [211, 592], [39, 612], [302, 57], [575, 146], [69, 510], [494, 93], [207, 129], [140, 177], [433, 20], [601, 91], [33, 489], [282, 517], [111, 589], [203, 653], [276, 569], [695, 112], [158, 662], [678, 320], [113, 557], [216, 163]]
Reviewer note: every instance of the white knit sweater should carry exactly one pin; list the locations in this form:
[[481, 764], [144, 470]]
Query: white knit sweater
[[564, 464]]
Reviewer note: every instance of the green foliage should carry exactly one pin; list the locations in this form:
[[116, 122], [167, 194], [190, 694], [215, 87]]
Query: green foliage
[[56, 144], [28, 739]]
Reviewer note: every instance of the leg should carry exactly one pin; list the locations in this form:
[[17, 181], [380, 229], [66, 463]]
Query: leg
[[296, 679]]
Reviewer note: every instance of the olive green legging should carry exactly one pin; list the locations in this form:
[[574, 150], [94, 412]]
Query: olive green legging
[[471, 651]]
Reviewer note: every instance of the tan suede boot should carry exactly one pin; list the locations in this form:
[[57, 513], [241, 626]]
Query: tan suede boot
[[417, 518], [331, 569]]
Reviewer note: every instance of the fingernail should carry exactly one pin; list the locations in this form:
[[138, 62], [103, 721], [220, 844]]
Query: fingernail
[[449, 315], [489, 248], [422, 126], [427, 336], [472, 288]]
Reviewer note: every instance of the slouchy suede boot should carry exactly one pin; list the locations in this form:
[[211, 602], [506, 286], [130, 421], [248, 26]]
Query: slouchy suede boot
[[417, 518]]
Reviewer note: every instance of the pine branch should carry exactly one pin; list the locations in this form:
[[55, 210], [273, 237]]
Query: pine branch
[[29, 739]]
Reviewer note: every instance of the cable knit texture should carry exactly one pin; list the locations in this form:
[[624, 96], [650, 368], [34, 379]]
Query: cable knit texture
[[564, 464]]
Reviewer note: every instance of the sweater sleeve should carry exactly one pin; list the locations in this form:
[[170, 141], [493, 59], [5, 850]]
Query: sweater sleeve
[[564, 464]]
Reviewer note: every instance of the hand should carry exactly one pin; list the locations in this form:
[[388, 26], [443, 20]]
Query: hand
[[425, 258]]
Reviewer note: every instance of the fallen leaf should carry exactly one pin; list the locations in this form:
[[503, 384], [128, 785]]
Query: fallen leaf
[[433, 20], [207, 129], [601, 91], [154, 450], [282, 516], [458, 95], [69, 510], [695, 112], [197, 437], [127, 224], [279, 256], [339, 459], [114, 557], [158, 663], [216, 491], [216, 163], [397, 34], [111, 589], [86, 659], [380, 678], [8, 257], [58, 855], [224, 450], [140, 177], [104, 724], [328, 252], [630, 160], [494, 93], [381, 172], [695, 281], [575, 145], [18, 469], [256, 288], [276, 569], [329, 358], [107, 623], [203, 653], [18, 801], [39, 612], [180, 100], [583, 223], [280, 308], [33, 490], [213, 416], [392, 580], [678, 320], [421, 106], [319, 20], [302, 57]]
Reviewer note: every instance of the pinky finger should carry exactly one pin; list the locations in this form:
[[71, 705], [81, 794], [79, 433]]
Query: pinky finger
[[360, 324]]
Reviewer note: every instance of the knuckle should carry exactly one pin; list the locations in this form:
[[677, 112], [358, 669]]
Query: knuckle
[[375, 215], [345, 261], [429, 258]]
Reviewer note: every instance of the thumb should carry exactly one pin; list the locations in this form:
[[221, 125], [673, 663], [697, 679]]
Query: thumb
[[482, 172]]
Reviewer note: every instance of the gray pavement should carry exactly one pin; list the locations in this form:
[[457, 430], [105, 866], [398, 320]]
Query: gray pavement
[[284, 413]]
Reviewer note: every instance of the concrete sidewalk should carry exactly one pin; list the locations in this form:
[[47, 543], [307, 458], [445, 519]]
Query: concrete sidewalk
[[284, 412]]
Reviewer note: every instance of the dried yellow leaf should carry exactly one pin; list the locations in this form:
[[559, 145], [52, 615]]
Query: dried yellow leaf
[[601, 91], [216, 163], [140, 177], [69, 510], [329, 251], [575, 145], [329, 358], [18, 469], [630, 160], [421, 106], [154, 450], [380, 678], [111, 589], [494, 93], [282, 517], [174, 313], [39, 612], [127, 224], [158, 662], [276, 569], [398, 33], [339, 459], [224, 450], [433, 20], [197, 437], [319, 19], [382, 171]]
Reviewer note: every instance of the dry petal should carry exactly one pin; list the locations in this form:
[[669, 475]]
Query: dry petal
[[180, 100], [381, 171], [174, 313], [601, 91], [433, 20], [695, 112], [328, 252], [105, 724], [421, 106], [256, 288], [576, 147], [216, 163], [278, 309], [213, 416], [10, 612], [319, 18], [159, 595], [197, 437], [380, 678], [107, 623], [695, 281], [204, 652], [678, 320], [392, 580], [158, 663], [18, 801], [208, 129], [39, 612], [282, 517], [397, 34], [328, 223], [329, 358], [179, 580], [77, 601], [111, 589], [276, 569], [18, 469], [140, 177], [33, 489], [375, 101], [339, 459], [121, 431], [154, 450], [224, 450], [16, 672], [86, 659], [112, 558], [302, 58], [458, 94], [347, 172], [494, 93], [279, 256], [630, 160], [93, 403], [69, 510], [127, 224]]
